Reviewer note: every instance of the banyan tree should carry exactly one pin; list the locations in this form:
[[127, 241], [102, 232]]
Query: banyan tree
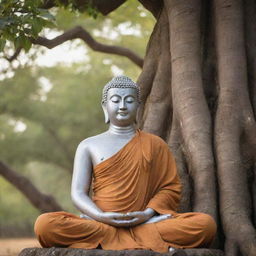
[[198, 92]]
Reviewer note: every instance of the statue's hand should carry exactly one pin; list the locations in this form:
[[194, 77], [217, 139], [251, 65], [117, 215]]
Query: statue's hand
[[141, 216], [117, 219], [84, 216], [158, 218], [129, 219], [123, 220]]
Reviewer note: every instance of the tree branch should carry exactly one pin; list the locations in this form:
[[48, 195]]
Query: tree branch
[[44, 203], [14, 56], [79, 32]]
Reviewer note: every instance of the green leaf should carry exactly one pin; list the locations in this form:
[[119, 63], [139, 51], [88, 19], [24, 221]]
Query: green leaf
[[22, 41], [37, 26], [17, 42], [92, 11], [26, 44]]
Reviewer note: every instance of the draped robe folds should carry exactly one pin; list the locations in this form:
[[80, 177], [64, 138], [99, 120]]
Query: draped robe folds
[[141, 175]]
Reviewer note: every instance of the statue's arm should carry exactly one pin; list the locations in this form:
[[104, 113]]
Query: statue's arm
[[81, 182]]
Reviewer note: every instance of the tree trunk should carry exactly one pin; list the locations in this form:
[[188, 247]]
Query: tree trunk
[[44, 203], [198, 93]]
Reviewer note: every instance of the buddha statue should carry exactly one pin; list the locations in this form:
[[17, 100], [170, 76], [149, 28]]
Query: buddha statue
[[136, 188]]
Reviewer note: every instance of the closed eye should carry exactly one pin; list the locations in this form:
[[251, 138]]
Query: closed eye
[[115, 99], [129, 99]]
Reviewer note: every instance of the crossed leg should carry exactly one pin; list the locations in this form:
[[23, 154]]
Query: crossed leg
[[62, 229], [188, 230]]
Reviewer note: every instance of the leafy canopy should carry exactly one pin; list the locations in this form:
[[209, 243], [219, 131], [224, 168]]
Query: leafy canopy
[[21, 21]]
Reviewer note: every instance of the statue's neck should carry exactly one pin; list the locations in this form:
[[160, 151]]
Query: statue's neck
[[118, 130]]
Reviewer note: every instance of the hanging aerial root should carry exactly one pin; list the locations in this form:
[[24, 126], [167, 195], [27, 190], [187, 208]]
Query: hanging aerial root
[[250, 35], [189, 100], [146, 78], [175, 143], [159, 100], [232, 112], [254, 194]]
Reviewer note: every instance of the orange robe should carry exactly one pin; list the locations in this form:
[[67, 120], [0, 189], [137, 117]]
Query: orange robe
[[141, 175]]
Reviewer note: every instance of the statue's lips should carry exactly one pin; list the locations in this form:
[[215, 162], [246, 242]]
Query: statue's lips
[[122, 113]]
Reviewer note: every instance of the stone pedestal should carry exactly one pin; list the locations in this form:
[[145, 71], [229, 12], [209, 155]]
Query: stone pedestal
[[81, 252]]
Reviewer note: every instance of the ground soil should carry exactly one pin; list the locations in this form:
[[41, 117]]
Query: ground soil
[[13, 246]]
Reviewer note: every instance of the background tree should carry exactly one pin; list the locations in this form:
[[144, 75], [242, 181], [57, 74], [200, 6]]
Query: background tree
[[46, 111], [198, 93]]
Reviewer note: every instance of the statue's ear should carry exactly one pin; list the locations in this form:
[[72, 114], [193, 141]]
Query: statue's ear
[[105, 112]]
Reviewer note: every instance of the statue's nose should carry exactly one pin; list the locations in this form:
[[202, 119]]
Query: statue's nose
[[122, 105]]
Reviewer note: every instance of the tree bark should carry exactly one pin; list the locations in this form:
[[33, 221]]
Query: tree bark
[[159, 100], [189, 100], [44, 203], [235, 204], [177, 148], [210, 121]]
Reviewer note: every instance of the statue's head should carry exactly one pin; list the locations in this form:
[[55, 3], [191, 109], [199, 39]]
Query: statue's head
[[120, 101]]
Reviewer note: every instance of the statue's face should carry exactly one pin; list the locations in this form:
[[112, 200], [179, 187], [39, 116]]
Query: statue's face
[[121, 106]]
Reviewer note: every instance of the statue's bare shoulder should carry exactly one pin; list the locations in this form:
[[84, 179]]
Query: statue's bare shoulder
[[94, 147], [103, 146], [89, 143]]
